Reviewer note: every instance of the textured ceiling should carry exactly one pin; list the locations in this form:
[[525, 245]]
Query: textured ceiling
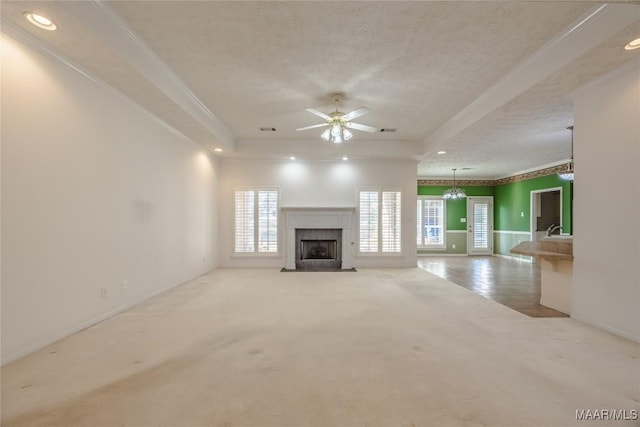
[[218, 71]]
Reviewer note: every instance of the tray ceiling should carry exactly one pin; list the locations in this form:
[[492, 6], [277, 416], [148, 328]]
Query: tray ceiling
[[488, 82]]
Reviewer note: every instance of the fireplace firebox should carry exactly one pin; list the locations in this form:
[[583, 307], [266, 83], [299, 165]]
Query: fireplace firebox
[[318, 249]]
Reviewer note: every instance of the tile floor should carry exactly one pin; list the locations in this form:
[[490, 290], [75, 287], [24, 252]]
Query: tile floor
[[513, 283]]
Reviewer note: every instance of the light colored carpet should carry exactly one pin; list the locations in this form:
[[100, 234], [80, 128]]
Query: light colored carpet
[[380, 347]]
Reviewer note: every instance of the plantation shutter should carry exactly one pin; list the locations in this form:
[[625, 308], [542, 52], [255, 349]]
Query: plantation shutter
[[480, 226], [433, 220], [391, 221], [419, 223], [244, 221], [267, 221], [368, 221]]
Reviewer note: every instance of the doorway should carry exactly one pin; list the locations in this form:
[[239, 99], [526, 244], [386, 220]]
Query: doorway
[[480, 225], [546, 210]]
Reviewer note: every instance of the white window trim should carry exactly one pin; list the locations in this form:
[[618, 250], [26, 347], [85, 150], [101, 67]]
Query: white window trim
[[255, 253], [443, 246], [379, 253]]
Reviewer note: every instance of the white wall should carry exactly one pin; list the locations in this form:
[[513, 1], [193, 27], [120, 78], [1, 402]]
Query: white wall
[[306, 183], [606, 288], [94, 192]]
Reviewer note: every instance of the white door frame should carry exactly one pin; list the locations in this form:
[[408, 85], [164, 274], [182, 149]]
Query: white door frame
[[533, 225], [470, 222]]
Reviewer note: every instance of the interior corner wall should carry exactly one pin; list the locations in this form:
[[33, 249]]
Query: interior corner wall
[[606, 281], [316, 183], [103, 206]]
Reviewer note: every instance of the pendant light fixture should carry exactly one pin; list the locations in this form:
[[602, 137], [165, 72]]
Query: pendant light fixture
[[567, 174], [454, 192]]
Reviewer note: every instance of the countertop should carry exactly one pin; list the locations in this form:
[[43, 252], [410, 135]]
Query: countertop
[[551, 248]]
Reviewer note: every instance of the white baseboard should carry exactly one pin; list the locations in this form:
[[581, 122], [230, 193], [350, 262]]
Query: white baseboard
[[615, 331], [86, 324]]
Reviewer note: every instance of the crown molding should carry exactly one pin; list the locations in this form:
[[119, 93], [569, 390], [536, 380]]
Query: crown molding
[[30, 41], [459, 182], [552, 170], [116, 34], [587, 32]]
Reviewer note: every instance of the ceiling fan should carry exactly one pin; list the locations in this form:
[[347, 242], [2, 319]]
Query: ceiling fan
[[339, 123]]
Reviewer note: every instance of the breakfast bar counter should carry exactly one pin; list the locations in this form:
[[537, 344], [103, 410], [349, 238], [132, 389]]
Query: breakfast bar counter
[[555, 254]]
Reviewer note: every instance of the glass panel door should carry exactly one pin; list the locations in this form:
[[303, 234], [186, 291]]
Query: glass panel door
[[480, 225]]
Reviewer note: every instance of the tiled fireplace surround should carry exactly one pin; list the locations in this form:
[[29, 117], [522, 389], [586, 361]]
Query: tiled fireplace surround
[[320, 218]]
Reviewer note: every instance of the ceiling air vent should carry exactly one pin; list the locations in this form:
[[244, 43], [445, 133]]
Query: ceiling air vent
[[388, 130], [267, 129]]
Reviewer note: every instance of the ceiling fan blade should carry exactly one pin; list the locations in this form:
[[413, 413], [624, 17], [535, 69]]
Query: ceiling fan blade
[[319, 113], [364, 128], [314, 126], [361, 111]]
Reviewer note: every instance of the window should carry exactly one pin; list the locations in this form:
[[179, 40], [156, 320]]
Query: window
[[256, 221], [431, 222], [380, 221]]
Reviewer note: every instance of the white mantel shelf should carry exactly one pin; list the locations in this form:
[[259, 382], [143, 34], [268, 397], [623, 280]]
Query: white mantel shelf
[[321, 217]]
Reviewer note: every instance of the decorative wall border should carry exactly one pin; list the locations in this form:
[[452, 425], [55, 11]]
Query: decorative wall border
[[493, 182], [530, 175], [459, 182]]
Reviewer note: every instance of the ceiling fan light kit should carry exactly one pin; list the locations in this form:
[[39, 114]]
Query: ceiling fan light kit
[[339, 123]]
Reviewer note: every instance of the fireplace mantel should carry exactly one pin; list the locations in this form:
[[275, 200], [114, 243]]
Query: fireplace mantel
[[320, 218]]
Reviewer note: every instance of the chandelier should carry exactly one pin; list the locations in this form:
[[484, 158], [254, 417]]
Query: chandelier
[[567, 174], [454, 192], [337, 132]]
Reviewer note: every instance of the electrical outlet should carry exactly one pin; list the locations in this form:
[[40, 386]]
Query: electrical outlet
[[103, 292], [125, 284], [453, 246]]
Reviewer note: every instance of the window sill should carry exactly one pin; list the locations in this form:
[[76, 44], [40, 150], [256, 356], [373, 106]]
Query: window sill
[[379, 254], [257, 255]]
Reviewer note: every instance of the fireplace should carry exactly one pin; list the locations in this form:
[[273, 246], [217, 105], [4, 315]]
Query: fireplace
[[318, 249], [319, 224]]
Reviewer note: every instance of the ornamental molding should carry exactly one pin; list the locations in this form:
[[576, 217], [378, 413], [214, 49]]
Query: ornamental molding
[[493, 182], [459, 182]]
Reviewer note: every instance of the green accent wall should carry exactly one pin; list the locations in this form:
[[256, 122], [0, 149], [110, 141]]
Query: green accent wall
[[512, 203], [511, 210], [456, 209]]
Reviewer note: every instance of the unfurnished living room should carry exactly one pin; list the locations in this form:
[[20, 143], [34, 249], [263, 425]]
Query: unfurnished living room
[[320, 213]]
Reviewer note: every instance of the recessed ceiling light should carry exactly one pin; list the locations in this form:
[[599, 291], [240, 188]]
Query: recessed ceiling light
[[442, 152], [292, 158], [633, 44], [345, 158], [218, 150], [40, 21]]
